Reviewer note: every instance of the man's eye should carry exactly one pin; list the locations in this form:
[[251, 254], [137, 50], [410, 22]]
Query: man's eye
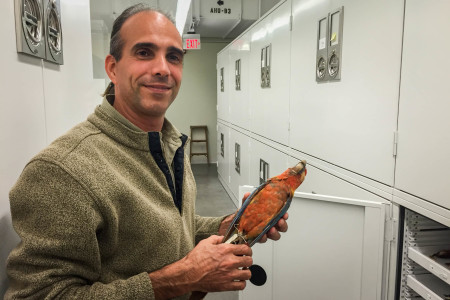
[[143, 53], [175, 58]]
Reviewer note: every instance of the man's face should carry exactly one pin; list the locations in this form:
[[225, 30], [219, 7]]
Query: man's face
[[148, 75]]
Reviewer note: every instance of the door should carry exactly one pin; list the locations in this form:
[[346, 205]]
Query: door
[[332, 250]]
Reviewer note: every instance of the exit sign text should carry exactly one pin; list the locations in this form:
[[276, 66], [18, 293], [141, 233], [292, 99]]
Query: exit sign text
[[191, 41]]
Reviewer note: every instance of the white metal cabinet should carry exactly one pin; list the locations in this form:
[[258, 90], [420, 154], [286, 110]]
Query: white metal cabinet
[[424, 135], [350, 122], [320, 182], [223, 155], [223, 85], [332, 250], [261, 153], [269, 106], [239, 81], [239, 149]]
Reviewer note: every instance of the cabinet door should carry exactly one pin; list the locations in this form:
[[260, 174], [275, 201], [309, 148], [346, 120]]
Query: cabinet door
[[239, 163], [240, 88], [262, 259], [223, 156], [332, 250], [223, 85], [349, 122], [423, 127], [265, 162], [269, 75], [321, 182]]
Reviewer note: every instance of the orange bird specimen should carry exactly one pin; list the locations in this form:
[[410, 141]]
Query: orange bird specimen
[[265, 206]]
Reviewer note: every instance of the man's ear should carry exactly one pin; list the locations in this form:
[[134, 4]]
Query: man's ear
[[110, 67]]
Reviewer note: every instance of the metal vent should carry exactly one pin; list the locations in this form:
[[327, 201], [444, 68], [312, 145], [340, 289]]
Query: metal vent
[[53, 31], [32, 23]]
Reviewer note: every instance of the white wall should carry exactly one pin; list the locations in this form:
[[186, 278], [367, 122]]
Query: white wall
[[40, 101], [197, 100]]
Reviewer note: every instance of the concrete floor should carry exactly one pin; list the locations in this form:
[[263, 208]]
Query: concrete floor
[[212, 200]]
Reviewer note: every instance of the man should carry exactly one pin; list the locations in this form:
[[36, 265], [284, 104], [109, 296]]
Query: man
[[107, 210]]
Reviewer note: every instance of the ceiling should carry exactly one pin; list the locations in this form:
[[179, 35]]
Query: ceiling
[[204, 17]]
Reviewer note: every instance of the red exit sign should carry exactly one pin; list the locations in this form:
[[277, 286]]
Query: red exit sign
[[191, 41], [192, 44]]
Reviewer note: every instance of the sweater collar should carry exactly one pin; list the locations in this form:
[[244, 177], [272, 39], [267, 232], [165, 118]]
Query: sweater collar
[[116, 126]]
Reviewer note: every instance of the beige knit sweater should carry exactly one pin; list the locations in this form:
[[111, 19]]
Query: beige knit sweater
[[95, 214]]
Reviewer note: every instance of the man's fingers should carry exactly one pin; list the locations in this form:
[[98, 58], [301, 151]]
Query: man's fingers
[[245, 197], [215, 239], [273, 234], [281, 225], [242, 250], [241, 274], [247, 262], [235, 285], [263, 239]]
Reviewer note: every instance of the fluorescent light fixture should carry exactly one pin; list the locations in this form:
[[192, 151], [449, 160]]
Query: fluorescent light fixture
[[181, 15]]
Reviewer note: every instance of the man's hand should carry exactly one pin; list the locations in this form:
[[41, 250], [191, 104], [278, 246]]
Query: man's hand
[[274, 232], [219, 267], [210, 267]]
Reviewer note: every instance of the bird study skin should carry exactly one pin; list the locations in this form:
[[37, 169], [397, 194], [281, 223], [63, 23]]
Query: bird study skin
[[265, 206]]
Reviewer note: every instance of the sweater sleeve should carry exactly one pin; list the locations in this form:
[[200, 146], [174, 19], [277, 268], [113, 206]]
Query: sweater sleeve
[[206, 226], [60, 253]]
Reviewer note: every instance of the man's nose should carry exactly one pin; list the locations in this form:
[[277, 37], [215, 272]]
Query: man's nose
[[161, 66]]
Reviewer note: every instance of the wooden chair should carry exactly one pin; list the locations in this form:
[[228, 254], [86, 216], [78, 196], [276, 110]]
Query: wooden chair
[[204, 129]]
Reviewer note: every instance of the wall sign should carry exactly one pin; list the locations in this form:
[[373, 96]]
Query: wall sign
[[191, 41], [224, 9]]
